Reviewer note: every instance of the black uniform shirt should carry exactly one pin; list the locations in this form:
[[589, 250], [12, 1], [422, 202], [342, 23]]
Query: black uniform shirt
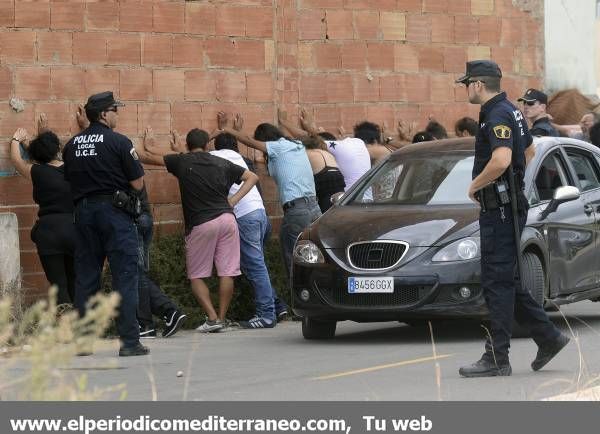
[[100, 161], [501, 124], [542, 127]]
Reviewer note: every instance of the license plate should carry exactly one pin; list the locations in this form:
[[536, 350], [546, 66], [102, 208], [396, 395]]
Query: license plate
[[370, 285]]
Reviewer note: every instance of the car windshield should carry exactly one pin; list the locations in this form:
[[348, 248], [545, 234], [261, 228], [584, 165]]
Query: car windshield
[[431, 180]]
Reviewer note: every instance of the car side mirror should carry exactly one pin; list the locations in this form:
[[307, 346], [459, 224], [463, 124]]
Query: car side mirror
[[336, 197], [561, 195]]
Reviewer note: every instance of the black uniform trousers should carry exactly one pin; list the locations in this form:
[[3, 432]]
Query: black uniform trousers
[[505, 297], [105, 231]]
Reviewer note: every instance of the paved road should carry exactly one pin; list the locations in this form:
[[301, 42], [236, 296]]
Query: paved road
[[386, 361]]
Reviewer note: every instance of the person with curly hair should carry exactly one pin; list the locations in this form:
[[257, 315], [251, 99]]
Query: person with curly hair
[[54, 232]]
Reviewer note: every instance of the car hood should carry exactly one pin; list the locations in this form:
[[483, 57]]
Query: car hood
[[420, 226]]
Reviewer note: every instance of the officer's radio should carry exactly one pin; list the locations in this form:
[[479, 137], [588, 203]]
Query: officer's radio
[[502, 190]]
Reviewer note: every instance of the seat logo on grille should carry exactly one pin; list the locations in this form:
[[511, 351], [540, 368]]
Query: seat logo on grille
[[375, 255], [379, 255]]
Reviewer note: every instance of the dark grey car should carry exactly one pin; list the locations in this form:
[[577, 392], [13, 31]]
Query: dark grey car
[[403, 243]]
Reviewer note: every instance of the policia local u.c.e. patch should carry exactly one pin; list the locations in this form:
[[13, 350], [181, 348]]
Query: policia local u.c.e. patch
[[502, 132]]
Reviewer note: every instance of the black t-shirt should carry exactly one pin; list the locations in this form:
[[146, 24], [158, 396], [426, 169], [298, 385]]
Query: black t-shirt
[[204, 183], [50, 189], [100, 161], [543, 127], [501, 124]]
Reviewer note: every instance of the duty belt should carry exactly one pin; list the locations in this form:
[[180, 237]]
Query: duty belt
[[488, 198]]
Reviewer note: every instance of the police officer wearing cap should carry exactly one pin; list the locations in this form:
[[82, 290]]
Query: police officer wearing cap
[[106, 177], [503, 138], [534, 108]]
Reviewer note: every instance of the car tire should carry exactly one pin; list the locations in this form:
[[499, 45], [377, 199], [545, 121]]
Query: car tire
[[315, 329], [535, 282], [533, 276]]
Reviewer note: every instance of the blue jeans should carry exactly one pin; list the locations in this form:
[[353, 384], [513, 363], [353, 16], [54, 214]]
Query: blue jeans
[[255, 230], [151, 298], [295, 220], [105, 231]]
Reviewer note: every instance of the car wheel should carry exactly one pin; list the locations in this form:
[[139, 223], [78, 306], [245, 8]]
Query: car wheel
[[534, 281], [533, 276], [314, 329]]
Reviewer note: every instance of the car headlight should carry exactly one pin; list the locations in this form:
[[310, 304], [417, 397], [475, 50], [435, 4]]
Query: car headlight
[[307, 252], [461, 250]]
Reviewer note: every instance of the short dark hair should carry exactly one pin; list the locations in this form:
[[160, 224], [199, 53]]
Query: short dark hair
[[595, 134], [422, 136], [437, 130], [266, 132], [196, 138], [312, 141], [327, 136], [368, 132], [492, 84], [226, 141], [466, 124], [44, 148]]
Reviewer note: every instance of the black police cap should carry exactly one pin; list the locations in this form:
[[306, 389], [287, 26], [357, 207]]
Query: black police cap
[[532, 95], [102, 101], [480, 68]]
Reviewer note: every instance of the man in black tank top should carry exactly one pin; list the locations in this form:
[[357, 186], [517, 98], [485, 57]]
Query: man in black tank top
[[99, 162]]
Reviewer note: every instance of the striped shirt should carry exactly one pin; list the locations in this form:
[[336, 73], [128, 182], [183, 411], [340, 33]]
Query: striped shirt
[[290, 168]]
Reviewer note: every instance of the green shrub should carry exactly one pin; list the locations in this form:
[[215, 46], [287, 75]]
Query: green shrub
[[167, 269]]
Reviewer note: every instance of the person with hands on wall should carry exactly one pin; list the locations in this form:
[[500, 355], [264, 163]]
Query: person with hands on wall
[[53, 233], [211, 231]]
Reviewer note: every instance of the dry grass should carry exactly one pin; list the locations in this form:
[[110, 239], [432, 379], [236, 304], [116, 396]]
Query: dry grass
[[584, 384], [43, 340], [438, 371]]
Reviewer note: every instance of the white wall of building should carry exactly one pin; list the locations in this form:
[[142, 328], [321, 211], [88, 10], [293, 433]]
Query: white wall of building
[[571, 45]]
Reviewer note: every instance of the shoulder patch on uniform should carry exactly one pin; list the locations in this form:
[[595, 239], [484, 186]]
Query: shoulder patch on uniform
[[134, 154], [502, 132]]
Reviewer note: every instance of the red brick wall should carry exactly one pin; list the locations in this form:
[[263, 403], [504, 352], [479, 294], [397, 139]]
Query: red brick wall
[[176, 63]]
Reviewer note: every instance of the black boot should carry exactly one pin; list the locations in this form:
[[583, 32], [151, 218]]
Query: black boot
[[136, 350], [547, 352], [483, 368]]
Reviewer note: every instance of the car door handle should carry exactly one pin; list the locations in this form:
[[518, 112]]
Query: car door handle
[[588, 209]]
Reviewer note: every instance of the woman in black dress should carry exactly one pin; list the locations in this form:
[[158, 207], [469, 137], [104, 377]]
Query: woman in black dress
[[54, 231]]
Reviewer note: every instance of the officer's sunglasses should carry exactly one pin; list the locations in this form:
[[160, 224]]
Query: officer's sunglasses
[[529, 103], [112, 109], [469, 82]]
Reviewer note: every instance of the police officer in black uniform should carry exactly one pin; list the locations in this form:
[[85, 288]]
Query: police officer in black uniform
[[503, 138], [106, 177], [534, 108]]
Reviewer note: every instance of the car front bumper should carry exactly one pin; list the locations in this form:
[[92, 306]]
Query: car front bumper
[[421, 291]]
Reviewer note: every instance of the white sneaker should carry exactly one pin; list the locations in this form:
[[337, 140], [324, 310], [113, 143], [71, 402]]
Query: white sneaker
[[210, 326]]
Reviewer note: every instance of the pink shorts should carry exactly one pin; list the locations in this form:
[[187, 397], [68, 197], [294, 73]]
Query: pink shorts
[[218, 241]]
